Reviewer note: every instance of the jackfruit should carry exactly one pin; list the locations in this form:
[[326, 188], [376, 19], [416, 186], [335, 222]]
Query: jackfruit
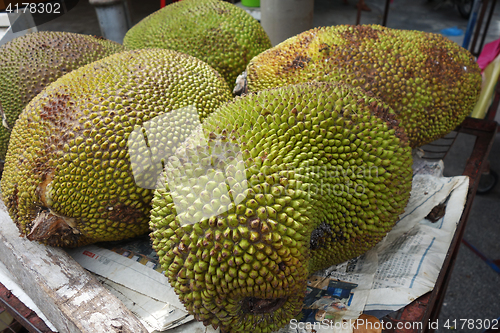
[[31, 62], [215, 31], [274, 186], [68, 178], [431, 82]]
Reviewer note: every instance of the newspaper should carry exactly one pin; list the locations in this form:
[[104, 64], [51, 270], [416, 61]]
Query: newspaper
[[404, 266]]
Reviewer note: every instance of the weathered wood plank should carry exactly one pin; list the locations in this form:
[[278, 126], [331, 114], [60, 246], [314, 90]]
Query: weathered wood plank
[[72, 299]]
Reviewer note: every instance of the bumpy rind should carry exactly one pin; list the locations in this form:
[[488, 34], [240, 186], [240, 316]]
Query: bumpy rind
[[321, 174], [68, 179], [431, 82], [31, 62], [217, 32]]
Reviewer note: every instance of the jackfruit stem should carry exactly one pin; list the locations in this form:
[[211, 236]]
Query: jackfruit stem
[[4, 118], [241, 86], [46, 225]]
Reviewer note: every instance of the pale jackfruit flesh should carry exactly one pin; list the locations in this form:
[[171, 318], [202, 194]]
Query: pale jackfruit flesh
[[274, 186], [31, 62], [431, 82], [68, 178], [217, 32]]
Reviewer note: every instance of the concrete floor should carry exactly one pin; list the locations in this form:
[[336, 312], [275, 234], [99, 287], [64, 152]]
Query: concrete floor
[[473, 291]]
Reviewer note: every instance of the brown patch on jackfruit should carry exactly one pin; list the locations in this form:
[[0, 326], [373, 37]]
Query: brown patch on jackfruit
[[360, 33], [306, 40], [300, 61], [259, 305], [53, 109], [320, 235], [325, 48], [439, 63], [390, 118], [124, 213]]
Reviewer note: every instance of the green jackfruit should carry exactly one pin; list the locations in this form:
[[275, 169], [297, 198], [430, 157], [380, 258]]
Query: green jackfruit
[[68, 178], [31, 62], [431, 82], [215, 31], [277, 185]]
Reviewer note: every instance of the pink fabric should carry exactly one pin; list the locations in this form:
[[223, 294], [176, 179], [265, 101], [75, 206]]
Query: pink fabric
[[488, 54]]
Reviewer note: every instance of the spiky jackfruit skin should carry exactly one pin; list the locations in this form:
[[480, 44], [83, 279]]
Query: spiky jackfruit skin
[[68, 179], [320, 174], [217, 32], [431, 82], [31, 62]]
